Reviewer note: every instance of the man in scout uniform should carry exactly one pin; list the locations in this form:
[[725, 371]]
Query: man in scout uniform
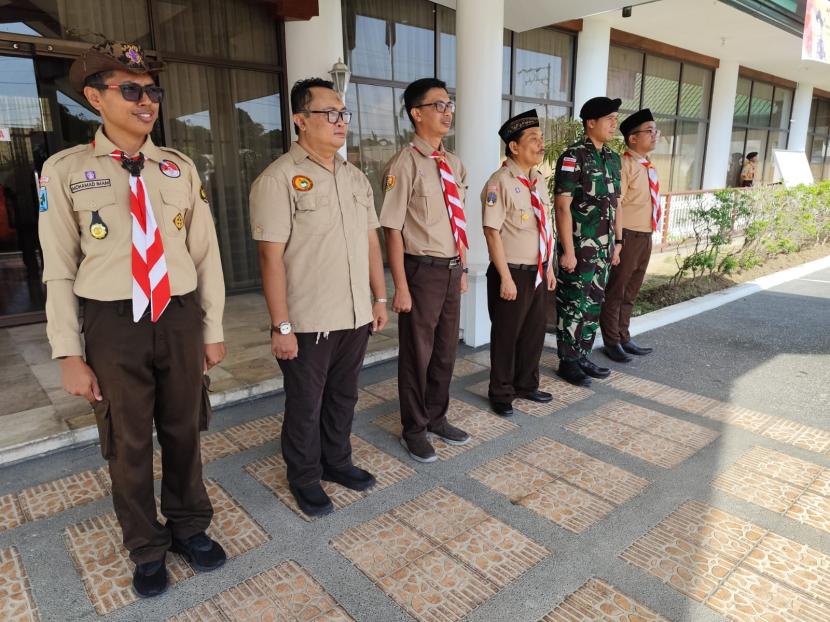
[[586, 188], [638, 216], [517, 225], [426, 242], [748, 170], [313, 215], [125, 226]]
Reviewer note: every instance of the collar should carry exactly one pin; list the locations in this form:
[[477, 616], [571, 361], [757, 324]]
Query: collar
[[298, 154], [637, 156], [517, 171], [425, 149], [590, 145], [104, 147]]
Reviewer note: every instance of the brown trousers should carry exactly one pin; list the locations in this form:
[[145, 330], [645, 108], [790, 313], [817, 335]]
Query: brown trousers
[[428, 338], [517, 334], [623, 286], [320, 396], [151, 373]]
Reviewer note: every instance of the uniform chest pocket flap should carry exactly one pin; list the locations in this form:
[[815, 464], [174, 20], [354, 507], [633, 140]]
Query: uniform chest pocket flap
[[173, 212], [93, 200], [312, 213]]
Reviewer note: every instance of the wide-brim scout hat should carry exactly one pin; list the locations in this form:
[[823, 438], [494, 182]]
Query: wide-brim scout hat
[[635, 120], [598, 107], [516, 125], [110, 56]]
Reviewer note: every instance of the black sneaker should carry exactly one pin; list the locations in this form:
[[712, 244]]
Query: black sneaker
[[570, 371], [202, 553], [450, 434], [351, 477], [592, 369], [312, 499], [150, 578], [419, 449]]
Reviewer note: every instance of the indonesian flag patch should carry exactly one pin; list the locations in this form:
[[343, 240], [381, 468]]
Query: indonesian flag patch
[[568, 165]]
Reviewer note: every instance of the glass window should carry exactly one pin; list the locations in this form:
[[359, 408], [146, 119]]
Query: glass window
[[662, 154], [661, 86], [543, 64], [817, 154], [507, 52], [446, 45], [736, 157], [625, 77], [760, 107], [756, 140], [777, 140], [695, 92], [781, 108], [367, 41], [688, 155], [379, 134], [742, 95]]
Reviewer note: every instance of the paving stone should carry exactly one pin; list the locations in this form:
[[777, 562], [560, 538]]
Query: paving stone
[[752, 486], [58, 495], [440, 515], [743, 418], [11, 514], [366, 400], [511, 477], [660, 393], [567, 506], [780, 466], [386, 390], [465, 367], [793, 564], [564, 394], [255, 433], [16, 601], [596, 601]]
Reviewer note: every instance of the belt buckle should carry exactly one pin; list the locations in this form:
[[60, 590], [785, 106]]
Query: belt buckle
[[454, 262]]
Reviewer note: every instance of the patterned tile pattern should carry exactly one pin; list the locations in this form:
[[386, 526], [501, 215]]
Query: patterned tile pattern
[[597, 601], [480, 425], [780, 483], [566, 486], [643, 433], [11, 514], [465, 367], [58, 495], [106, 571], [270, 472], [564, 395], [385, 390], [735, 567], [439, 556], [16, 601], [366, 400], [286, 592]]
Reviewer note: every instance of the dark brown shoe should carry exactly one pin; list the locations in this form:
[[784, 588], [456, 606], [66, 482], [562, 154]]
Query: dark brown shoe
[[419, 449], [450, 434]]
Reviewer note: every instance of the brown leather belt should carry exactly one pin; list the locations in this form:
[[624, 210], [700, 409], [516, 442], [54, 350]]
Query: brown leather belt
[[636, 234], [442, 262], [526, 267]]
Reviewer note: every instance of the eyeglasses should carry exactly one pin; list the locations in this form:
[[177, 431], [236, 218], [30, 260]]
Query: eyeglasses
[[441, 107], [652, 132], [133, 92], [333, 116]]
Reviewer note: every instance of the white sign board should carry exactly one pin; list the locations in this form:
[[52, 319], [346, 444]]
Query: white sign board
[[792, 167], [5, 135]]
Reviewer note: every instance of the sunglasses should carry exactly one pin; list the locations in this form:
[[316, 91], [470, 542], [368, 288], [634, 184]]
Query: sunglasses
[[133, 92]]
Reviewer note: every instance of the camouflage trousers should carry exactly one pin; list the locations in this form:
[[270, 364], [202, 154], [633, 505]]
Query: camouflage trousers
[[579, 297]]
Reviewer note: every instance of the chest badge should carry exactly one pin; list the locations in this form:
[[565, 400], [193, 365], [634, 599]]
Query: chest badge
[[179, 221], [90, 175], [169, 168], [517, 190], [388, 183], [302, 183], [525, 216], [97, 228]]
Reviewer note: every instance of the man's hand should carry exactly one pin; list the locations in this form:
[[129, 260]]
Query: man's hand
[[379, 316], [79, 379], [615, 260], [568, 261], [214, 353], [551, 278], [464, 286], [508, 289], [402, 301], [284, 347]]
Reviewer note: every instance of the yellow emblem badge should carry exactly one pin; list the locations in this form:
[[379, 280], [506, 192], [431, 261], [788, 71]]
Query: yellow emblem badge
[[302, 183], [388, 183], [525, 216], [178, 221], [98, 230], [203, 194]]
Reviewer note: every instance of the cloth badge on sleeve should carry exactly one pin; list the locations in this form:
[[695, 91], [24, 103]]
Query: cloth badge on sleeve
[[90, 175], [44, 180], [568, 165], [388, 183], [202, 194], [170, 169], [42, 201], [490, 199], [302, 183]]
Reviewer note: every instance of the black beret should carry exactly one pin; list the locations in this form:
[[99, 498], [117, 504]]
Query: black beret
[[634, 120], [751, 155], [597, 107], [518, 123]]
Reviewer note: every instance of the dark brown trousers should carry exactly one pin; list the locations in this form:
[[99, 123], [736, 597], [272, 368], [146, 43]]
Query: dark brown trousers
[[623, 286], [428, 338], [320, 396], [517, 334], [151, 373]]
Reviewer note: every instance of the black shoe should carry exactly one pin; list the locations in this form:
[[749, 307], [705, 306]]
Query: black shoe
[[150, 579], [312, 499], [592, 369], [633, 348], [616, 353], [503, 409], [350, 477], [202, 553], [420, 449], [570, 371], [543, 397], [450, 434]]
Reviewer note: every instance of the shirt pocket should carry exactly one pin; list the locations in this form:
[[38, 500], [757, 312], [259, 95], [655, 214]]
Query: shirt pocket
[[429, 205], [174, 206], [86, 203], [361, 212], [312, 214]]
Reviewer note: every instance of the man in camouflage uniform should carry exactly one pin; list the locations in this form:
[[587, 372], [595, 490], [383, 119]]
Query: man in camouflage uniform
[[586, 190]]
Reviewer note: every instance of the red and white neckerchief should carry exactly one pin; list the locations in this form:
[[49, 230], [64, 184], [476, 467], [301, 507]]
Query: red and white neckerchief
[[455, 209], [545, 230], [654, 189], [151, 283]]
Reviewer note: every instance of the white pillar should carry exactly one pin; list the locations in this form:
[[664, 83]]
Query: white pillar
[[802, 102], [479, 27], [592, 49], [313, 46], [720, 125]]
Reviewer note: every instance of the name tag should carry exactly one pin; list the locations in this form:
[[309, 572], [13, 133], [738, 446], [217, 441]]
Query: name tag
[[89, 185]]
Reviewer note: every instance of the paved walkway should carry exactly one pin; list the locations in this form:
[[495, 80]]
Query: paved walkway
[[694, 484]]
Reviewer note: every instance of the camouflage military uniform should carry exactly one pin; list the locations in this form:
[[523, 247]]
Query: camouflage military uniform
[[593, 180]]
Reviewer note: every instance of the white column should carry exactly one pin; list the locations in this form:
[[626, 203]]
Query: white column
[[313, 46], [592, 49], [479, 26], [720, 125], [802, 102]]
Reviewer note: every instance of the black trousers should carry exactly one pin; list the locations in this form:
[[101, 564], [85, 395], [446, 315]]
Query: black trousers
[[151, 373], [320, 396], [517, 334]]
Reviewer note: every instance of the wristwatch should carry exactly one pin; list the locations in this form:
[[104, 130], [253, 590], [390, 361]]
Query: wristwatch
[[465, 270], [283, 328], [618, 241]]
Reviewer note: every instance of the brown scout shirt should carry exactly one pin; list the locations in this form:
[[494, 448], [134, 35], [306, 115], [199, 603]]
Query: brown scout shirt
[[413, 200], [83, 180], [323, 218], [506, 207], [635, 196]]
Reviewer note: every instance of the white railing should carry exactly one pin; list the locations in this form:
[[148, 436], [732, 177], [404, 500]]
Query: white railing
[[677, 207]]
